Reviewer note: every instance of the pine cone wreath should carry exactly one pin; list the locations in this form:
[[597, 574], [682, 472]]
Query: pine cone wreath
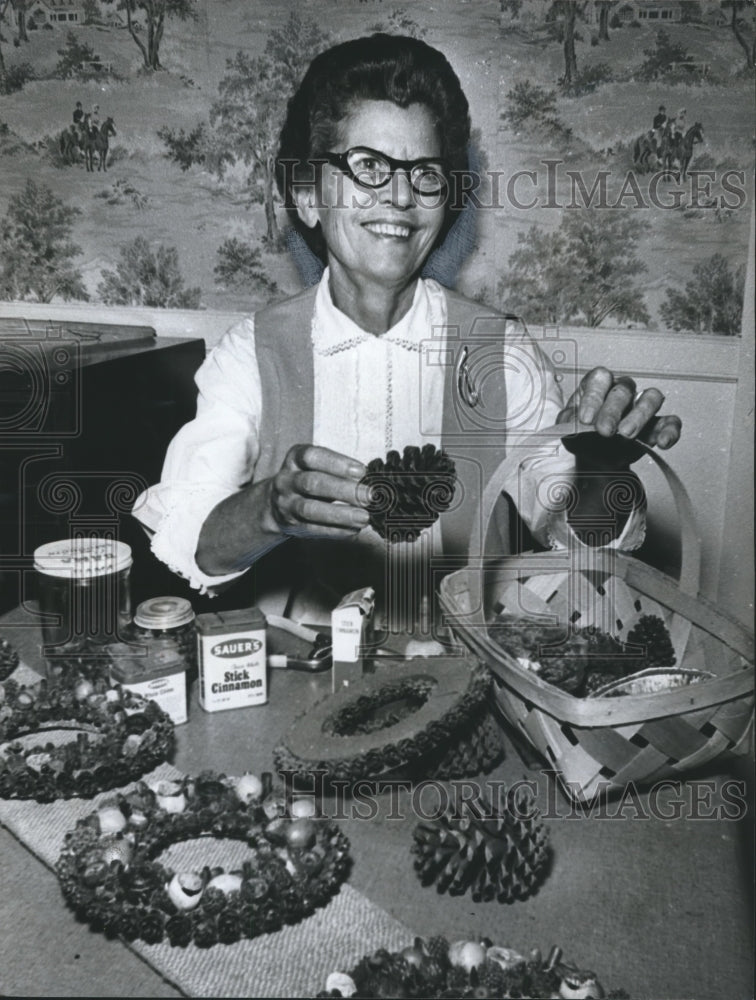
[[432, 722], [493, 854], [408, 493]]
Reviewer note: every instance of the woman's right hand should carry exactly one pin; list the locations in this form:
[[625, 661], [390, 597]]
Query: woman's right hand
[[318, 492]]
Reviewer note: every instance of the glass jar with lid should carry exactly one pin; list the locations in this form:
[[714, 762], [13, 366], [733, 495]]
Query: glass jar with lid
[[167, 618], [84, 595]]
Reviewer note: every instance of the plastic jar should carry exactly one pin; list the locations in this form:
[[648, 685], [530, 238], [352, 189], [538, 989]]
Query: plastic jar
[[84, 592], [161, 618]]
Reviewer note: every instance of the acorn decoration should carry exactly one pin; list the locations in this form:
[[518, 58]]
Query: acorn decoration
[[8, 659], [408, 493], [493, 854]]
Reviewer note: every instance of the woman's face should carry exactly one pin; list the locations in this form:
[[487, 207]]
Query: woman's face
[[378, 235]]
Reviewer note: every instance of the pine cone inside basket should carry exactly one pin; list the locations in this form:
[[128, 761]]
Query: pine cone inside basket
[[651, 633], [557, 657], [583, 660], [409, 493]]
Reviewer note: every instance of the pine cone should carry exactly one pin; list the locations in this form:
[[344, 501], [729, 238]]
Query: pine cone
[[494, 980], [558, 657], [566, 667], [492, 854], [651, 634], [586, 659], [408, 494], [522, 637]]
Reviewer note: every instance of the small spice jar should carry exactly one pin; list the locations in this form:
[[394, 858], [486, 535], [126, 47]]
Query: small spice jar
[[159, 674], [161, 618]]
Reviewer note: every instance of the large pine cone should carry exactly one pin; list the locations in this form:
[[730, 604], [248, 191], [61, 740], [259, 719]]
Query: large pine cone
[[651, 634], [493, 854], [408, 494]]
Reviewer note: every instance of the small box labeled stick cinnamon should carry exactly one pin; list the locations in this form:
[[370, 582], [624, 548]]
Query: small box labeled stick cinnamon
[[351, 624]]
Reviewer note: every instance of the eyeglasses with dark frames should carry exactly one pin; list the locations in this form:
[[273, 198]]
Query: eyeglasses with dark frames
[[372, 169]]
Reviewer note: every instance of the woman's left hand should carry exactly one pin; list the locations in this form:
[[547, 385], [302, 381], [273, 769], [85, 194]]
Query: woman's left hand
[[614, 409]]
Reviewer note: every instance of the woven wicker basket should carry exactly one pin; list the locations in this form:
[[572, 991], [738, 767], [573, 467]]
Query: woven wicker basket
[[598, 745]]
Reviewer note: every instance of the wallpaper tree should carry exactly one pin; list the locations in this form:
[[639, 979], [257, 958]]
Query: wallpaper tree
[[744, 32], [154, 13], [586, 270], [251, 107], [36, 251], [147, 276], [712, 302], [3, 9], [566, 12]]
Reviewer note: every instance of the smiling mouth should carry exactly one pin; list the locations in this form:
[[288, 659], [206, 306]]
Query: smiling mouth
[[389, 229]]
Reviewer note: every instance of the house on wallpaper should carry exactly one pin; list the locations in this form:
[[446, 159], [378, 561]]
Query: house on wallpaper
[[645, 11], [651, 11], [55, 12]]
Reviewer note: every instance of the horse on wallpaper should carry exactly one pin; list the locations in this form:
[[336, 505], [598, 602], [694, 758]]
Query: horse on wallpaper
[[95, 144], [672, 153], [70, 145], [677, 152], [646, 152]]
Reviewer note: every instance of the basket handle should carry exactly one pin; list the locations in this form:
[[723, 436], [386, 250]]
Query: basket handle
[[690, 568]]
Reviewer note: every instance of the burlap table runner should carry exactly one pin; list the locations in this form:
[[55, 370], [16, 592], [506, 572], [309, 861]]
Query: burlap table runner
[[292, 962]]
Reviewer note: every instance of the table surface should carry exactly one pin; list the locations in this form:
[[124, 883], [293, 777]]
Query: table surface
[[657, 903]]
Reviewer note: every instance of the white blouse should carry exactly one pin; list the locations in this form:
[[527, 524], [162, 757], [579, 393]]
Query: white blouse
[[372, 394]]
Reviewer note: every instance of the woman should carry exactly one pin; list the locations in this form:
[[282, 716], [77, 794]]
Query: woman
[[294, 403]]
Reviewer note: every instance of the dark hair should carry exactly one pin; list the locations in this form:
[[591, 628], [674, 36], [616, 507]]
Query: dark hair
[[380, 67]]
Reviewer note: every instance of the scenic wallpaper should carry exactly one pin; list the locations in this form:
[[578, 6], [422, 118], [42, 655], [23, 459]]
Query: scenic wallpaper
[[137, 137]]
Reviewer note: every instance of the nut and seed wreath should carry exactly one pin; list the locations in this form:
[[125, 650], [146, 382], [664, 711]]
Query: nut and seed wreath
[[119, 736], [431, 717], [436, 967], [110, 873]]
